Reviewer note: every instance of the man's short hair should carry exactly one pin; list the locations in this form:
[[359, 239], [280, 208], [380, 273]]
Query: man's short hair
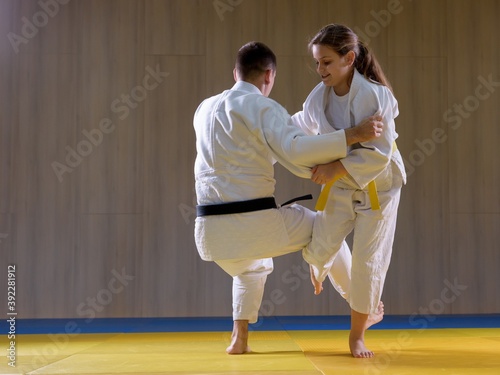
[[254, 58]]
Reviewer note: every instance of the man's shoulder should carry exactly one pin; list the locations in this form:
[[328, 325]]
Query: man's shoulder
[[210, 102], [242, 101], [251, 100], [215, 98]]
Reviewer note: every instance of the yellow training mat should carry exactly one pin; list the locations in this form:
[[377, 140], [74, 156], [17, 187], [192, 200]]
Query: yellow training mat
[[425, 351]]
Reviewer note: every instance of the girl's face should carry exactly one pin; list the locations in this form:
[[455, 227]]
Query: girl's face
[[334, 70]]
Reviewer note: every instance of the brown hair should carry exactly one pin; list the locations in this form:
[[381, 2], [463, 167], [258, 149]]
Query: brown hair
[[254, 58], [342, 40]]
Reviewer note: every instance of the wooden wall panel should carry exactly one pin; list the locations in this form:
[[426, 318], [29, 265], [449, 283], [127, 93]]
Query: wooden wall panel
[[112, 87], [108, 266], [420, 247], [129, 204], [8, 248], [419, 28], [298, 21], [10, 12], [474, 263], [175, 27], [472, 119], [45, 24], [9, 76], [173, 273], [473, 111], [45, 208]]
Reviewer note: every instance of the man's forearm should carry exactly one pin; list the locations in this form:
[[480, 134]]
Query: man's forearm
[[368, 129], [352, 136]]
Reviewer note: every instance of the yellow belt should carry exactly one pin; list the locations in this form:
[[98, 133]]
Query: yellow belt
[[372, 192]]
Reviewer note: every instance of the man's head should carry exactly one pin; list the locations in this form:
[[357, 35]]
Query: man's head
[[256, 64]]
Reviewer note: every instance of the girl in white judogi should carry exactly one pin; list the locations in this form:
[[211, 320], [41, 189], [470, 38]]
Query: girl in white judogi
[[354, 86]]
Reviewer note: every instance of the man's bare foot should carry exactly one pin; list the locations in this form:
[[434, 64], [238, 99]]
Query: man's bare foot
[[376, 317], [358, 348], [318, 286], [238, 346], [239, 338]]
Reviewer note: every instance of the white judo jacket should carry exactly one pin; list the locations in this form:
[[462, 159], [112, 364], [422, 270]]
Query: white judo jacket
[[365, 99], [240, 134]]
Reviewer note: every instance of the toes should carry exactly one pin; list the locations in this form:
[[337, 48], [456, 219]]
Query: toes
[[318, 289], [367, 354]]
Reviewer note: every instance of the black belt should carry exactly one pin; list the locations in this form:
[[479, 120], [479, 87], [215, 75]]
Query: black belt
[[243, 206]]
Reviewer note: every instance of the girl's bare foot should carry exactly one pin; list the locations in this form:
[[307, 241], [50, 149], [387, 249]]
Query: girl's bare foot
[[359, 322], [318, 286], [376, 317], [358, 348]]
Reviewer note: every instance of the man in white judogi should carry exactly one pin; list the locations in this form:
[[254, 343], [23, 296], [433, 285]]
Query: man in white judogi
[[240, 134]]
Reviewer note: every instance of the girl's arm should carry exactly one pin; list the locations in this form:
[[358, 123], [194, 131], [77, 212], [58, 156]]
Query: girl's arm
[[366, 163]]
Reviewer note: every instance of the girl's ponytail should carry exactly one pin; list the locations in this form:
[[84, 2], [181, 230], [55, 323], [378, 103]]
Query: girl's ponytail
[[366, 63]]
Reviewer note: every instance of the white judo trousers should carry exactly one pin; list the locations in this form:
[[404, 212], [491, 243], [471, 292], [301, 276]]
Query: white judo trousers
[[249, 275], [350, 210]]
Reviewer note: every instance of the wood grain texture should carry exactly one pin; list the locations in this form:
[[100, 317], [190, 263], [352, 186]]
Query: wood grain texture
[[175, 27], [474, 263], [420, 247], [128, 204], [45, 209], [290, 25], [9, 91], [107, 275], [472, 119], [473, 111], [170, 201], [418, 28], [111, 83]]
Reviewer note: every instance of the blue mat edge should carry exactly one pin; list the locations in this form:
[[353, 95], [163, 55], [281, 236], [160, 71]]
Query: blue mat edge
[[215, 324]]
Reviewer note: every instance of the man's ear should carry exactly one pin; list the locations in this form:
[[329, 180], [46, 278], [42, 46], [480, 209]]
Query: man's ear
[[269, 76], [235, 75]]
